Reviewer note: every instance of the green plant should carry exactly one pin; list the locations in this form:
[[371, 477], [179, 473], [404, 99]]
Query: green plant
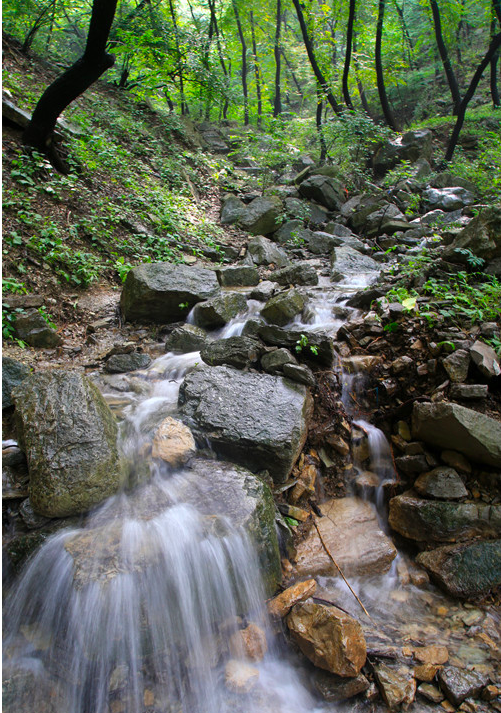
[[495, 343], [304, 342], [9, 316], [47, 317], [391, 327], [123, 268], [183, 305], [9, 284]]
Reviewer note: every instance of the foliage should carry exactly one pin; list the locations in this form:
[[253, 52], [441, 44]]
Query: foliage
[[304, 342]]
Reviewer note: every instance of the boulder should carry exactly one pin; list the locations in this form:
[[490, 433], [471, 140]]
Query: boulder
[[121, 363], [300, 373], [327, 191], [282, 308], [467, 570], [292, 338], [321, 243], [301, 273], [485, 359], [265, 252], [351, 532], [163, 292], [274, 361], [185, 339], [456, 365], [441, 483], [32, 328], [264, 291], [249, 643], [345, 261], [254, 419], [387, 219], [334, 688], [448, 198], [240, 677], [396, 688], [232, 210], [482, 236], [290, 230], [69, 436], [13, 373], [459, 684], [281, 605], [173, 442], [338, 230], [454, 427], [238, 276], [412, 146], [218, 311], [328, 637], [262, 216], [239, 352], [445, 179]]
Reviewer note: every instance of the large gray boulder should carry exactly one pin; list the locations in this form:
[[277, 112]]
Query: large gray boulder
[[282, 308], [69, 436], [482, 236], [346, 261], [239, 352], [219, 310], [262, 216], [32, 328], [448, 198], [265, 252], [412, 146], [232, 210], [323, 350], [163, 292], [454, 427], [253, 419], [238, 276], [13, 373], [301, 273], [324, 190], [186, 338]]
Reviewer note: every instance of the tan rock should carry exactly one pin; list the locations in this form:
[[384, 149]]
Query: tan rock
[[240, 677], [148, 698], [426, 672], [249, 642], [328, 637], [173, 442], [355, 364], [431, 654], [305, 484], [283, 603], [396, 688]]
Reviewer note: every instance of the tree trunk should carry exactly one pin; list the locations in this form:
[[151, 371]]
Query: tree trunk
[[496, 12], [289, 67], [66, 88], [277, 102], [360, 86], [37, 25], [320, 130], [347, 57], [383, 98], [184, 106], [244, 64], [256, 71], [212, 8], [449, 72], [405, 33], [493, 48]]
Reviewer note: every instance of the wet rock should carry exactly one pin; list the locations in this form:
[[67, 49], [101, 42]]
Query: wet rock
[[426, 672], [22, 686], [351, 532], [249, 642], [232, 210], [459, 684], [345, 261], [289, 230], [395, 687], [457, 461], [448, 198], [163, 292], [301, 273], [430, 692], [277, 337], [469, 392], [238, 276], [387, 219], [264, 291], [282, 308], [439, 521], [240, 677], [450, 426], [173, 442], [32, 328], [281, 605], [324, 190], [456, 365], [467, 570], [300, 373], [334, 688], [30, 517], [262, 215], [434, 654], [255, 419], [265, 252], [485, 359], [69, 436], [121, 363], [239, 352], [441, 483], [218, 311], [413, 145], [273, 362], [328, 637], [482, 236], [185, 339], [13, 373], [15, 481]]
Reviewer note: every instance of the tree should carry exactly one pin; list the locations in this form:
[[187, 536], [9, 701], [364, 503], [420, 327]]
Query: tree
[[383, 98], [347, 58], [444, 55], [277, 103]]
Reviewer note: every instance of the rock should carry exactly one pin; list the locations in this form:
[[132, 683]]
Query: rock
[[426, 672], [218, 311], [240, 677], [448, 198], [434, 654], [327, 191], [238, 276], [482, 236], [120, 363], [412, 146], [173, 442], [274, 361], [388, 219], [321, 243], [13, 373], [345, 262], [14, 482], [334, 688], [300, 373], [32, 328], [264, 291], [281, 605], [255, 419], [239, 352], [262, 215], [456, 365], [282, 308], [289, 230], [329, 638], [249, 643], [441, 483], [22, 685], [469, 392], [69, 436], [163, 292], [301, 273], [232, 210], [396, 688], [459, 684], [351, 532], [31, 519], [468, 570], [448, 180], [439, 521], [430, 692], [185, 339], [338, 230], [265, 252], [485, 359], [457, 461], [454, 427], [277, 337]]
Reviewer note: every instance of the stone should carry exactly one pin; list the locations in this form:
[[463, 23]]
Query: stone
[[457, 461], [22, 685], [274, 361], [338, 230], [482, 236], [218, 311], [240, 677], [300, 373], [401, 364], [456, 365], [249, 643], [32, 328], [239, 352], [485, 359], [282, 308], [329, 638], [290, 231], [238, 276], [454, 427], [255, 419], [262, 215], [185, 339], [467, 570], [396, 688], [448, 198], [388, 220], [15, 481], [281, 605], [334, 688], [232, 210], [434, 654], [441, 483], [469, 392], [265, 252], [173, 442], [325, 190], [163, 292], [13, 373], [264, 291], [459, 684], [413, 145], [430, 692], [31, 519], [277, 337], [121, 363], [352, 534], [301, 273], [445, 179], [426, 672], [440, 521], [345, 262], [69, 436]]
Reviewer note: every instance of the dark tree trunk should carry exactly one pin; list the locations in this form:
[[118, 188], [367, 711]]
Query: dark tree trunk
[[496, 12], [383, 98], [184, 106], [405, 33], [360, 86], [496, 6], [493, 48], [66, 88], [277, 102], [449, 72], [212, 8], [320, 130], [347, 57], [256, 71], [314, 65], [37, 25], [244, 64]]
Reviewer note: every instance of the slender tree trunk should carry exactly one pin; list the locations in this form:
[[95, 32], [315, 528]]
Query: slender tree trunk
[[212, 8], [496, 12], [493, 48], [314, 65], [320, 130], [37, 25], [277, 102], [449, 72], [347, 57], [406, 35], [383, 98], [257, 73], [360, 86], [289, 67], [244, 64], [184, 106], [67, 87], [51, 28]]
